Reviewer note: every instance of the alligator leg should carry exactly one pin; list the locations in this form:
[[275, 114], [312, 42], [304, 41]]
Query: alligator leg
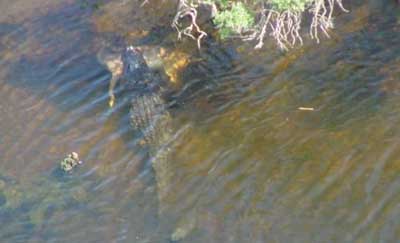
[[114, 65]]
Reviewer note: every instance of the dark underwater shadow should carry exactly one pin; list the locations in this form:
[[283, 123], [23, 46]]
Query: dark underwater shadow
[[54, 57]]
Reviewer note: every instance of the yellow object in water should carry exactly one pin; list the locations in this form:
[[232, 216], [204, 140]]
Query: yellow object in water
[[111, 101]]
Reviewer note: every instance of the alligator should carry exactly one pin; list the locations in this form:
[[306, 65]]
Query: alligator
[[149, 117], [149, 113]]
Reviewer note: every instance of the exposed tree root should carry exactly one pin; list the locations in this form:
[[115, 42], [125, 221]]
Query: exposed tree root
[[322, 11], [283, 26], [192, 30]]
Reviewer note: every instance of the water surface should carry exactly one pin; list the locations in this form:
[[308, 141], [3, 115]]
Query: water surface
[[248, 165]]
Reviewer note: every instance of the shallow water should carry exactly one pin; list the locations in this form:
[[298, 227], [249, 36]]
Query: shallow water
[[247, 164]]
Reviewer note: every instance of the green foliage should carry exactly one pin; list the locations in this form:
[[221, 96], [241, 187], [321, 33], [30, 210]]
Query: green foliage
[[278, 5], [291, 5], [223, 4], [234, 20], [236, 16]]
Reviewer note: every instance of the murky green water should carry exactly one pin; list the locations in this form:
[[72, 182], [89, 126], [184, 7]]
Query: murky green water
[[247, 165]]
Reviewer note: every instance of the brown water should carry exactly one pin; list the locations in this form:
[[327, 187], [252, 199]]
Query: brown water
[[248, 165]]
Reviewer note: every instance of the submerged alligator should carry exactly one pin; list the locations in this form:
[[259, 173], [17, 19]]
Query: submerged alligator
[[150, 119], [149, 115]]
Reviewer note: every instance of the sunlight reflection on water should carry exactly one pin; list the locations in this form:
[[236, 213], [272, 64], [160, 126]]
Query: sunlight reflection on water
[[247, 163]]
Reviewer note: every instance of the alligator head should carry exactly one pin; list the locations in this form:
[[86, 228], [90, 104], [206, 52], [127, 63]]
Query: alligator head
[[135, 69]]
